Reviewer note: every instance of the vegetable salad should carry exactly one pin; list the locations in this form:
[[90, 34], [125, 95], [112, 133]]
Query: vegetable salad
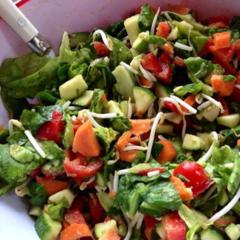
[[131, 132]]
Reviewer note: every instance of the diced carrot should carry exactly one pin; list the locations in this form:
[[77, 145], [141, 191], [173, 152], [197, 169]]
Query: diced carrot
[[128, 156], [238, 143], [168, 48], [190, 100], [145, 82], [224, 89], [110, 234], [168, 152], [76, 231], [224, 221], [184, 192], [140, 126], [112, 194], [222, 40], [179, 9], [51, 185], [85, 141], [123, 140]]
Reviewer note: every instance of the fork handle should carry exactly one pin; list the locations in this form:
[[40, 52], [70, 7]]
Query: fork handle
[[18, 22]]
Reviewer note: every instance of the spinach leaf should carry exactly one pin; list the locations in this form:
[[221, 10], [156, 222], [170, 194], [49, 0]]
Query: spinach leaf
[[77, 67], [199, 67], [100, 76], [119, 53], [52, 150], [146, 17], [98, 103], [160, 199], [193, 88], [38, 195], [12, 172], [117, 30], [120, 124]]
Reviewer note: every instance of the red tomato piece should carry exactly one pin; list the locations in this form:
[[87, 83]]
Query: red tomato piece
[[151, 63], [82, 168], [196, 177], [170, 106], [52, 130], [163, 29], [96, 210], [174, 227], [100, 49]]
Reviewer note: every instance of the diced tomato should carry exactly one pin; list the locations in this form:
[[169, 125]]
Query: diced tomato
[[216, 19], [149, 224], [51, 186], [225, 106], [151, 63], [80, 167], [146, 171], [145, 82], [100, 49], [174, 227], [96, 210], [74, 216], [166, 72], [52, 130], [170, 106], [196, 177], [235, 96], [163, 29], [179, 61]]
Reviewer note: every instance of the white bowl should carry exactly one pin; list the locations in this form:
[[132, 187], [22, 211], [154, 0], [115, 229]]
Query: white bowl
[[52, 17]]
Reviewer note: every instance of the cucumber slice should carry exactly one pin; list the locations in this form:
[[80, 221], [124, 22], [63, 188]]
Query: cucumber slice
[[141, 43], [161, 91], [65, 194], [143, 98], [46, 228], [125, 81], [114, 107], [192, 142], [230, 121], [233, 231], [101, 228], [164, 129], [124, 107], [211, 234], [73, 88], [85, 99], [132, 28]]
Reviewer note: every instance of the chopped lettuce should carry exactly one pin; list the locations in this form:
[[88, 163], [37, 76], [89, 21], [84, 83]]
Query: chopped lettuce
[[146, 17]]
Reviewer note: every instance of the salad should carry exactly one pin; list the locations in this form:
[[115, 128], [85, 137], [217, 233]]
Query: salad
[[131, 132]]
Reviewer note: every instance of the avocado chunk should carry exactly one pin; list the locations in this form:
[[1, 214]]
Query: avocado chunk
[[143, 98], [230, 121], [125, 81], [46, 228], [114, 107], [211, 234], [101, 228], [73, 88], [132, 28], [192, 142], [85, 99], [65, 194]]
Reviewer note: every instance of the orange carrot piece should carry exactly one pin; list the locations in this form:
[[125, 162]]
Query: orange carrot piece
[[168, 152], [224, 89], [190, 100], [51, 186], [128, 156], [85, 141], [123, 140], [222, 40], [140, 126], [75, 231], [184, 192]]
